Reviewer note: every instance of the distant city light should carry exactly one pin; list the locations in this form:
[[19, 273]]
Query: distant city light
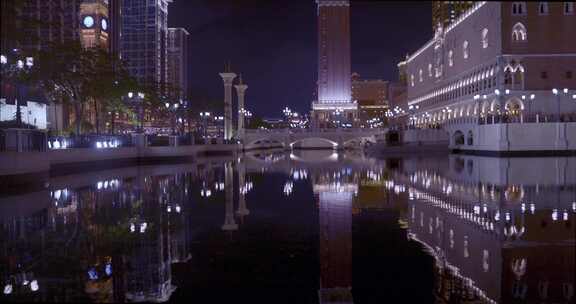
[[555, 91], [8, 289], [3, 59], [108, 269], [34, 285]]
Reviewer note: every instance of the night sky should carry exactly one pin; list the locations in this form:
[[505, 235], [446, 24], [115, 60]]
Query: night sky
[[273, 43]]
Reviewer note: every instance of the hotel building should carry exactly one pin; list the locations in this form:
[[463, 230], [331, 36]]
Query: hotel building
[[178, 60], [371, 97], [500, 78], [144, 39]]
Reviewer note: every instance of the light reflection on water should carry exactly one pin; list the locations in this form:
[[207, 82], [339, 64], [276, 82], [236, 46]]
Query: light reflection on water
[[315, 226]]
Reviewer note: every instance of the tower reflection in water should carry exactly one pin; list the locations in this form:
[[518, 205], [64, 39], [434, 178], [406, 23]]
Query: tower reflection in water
[[499, 230]]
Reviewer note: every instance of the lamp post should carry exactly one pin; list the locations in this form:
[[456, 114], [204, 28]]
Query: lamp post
[[172, 107], [15, 71], [219, 120], [204, 116]]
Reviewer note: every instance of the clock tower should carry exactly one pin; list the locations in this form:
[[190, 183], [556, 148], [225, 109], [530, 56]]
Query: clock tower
[[94, 24]]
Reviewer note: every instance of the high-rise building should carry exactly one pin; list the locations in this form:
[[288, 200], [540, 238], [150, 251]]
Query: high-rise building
[[59, 22], [115, 24], [334, 83], [178, 60], [371, 97], [144, 39], [445, 12]]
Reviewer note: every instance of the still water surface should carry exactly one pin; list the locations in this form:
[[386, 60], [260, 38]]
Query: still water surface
[[302, 227]]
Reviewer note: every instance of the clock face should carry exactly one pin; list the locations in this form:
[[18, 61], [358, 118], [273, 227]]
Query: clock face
[[104, 24], [88, 21]]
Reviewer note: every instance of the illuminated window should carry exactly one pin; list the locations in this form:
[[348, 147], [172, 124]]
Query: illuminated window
[[430, 70], [519, 8], [543, 8], [450, 58], [568, 8], [412, 79], [484, 38], [420, 75], [519, 32], [465, 51]]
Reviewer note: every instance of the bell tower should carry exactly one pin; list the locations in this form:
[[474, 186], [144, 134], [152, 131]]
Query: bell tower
[[334, 71]]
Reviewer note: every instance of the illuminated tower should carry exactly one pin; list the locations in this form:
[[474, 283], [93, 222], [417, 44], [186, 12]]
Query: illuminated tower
[[94, 24], [334, 83]]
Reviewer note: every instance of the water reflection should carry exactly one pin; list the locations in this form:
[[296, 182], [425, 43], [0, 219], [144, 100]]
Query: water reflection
[[498, 231]]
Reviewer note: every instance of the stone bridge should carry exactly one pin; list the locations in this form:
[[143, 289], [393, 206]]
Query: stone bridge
[[310, 139]]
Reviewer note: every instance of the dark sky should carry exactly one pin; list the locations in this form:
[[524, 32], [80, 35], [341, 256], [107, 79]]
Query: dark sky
[[273, 44]]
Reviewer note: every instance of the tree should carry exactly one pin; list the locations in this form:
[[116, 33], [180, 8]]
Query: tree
[[69, 71]]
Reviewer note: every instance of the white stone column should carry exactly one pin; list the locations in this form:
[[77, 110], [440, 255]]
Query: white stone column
[[241, 91], [228, 78]]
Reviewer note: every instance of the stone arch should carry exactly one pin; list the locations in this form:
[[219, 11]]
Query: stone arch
[[485, 107], [469, 110], [314, 142], [458, 138], [514, 106], [519, 32], [494, 106], [264, 142]]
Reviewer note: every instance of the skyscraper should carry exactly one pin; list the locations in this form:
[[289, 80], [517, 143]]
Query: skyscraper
[[178, 59], [59, 22], [115, 20], [445, 12], [144, 39], [334, 83]]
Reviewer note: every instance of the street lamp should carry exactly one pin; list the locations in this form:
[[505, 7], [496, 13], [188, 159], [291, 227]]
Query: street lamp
[[205, 116], [172, 108]]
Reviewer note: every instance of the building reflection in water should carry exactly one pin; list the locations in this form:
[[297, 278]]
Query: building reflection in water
[[500, 230], [335, 190]]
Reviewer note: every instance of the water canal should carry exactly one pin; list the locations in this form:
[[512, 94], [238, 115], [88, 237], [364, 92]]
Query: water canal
[[300, 227]]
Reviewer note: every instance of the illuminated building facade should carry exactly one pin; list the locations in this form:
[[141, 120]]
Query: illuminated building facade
[[446, 12], [144, 42], [371, 96], [95, 24], [334, 69], [178, 60], [497, 67], [60, 22]]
